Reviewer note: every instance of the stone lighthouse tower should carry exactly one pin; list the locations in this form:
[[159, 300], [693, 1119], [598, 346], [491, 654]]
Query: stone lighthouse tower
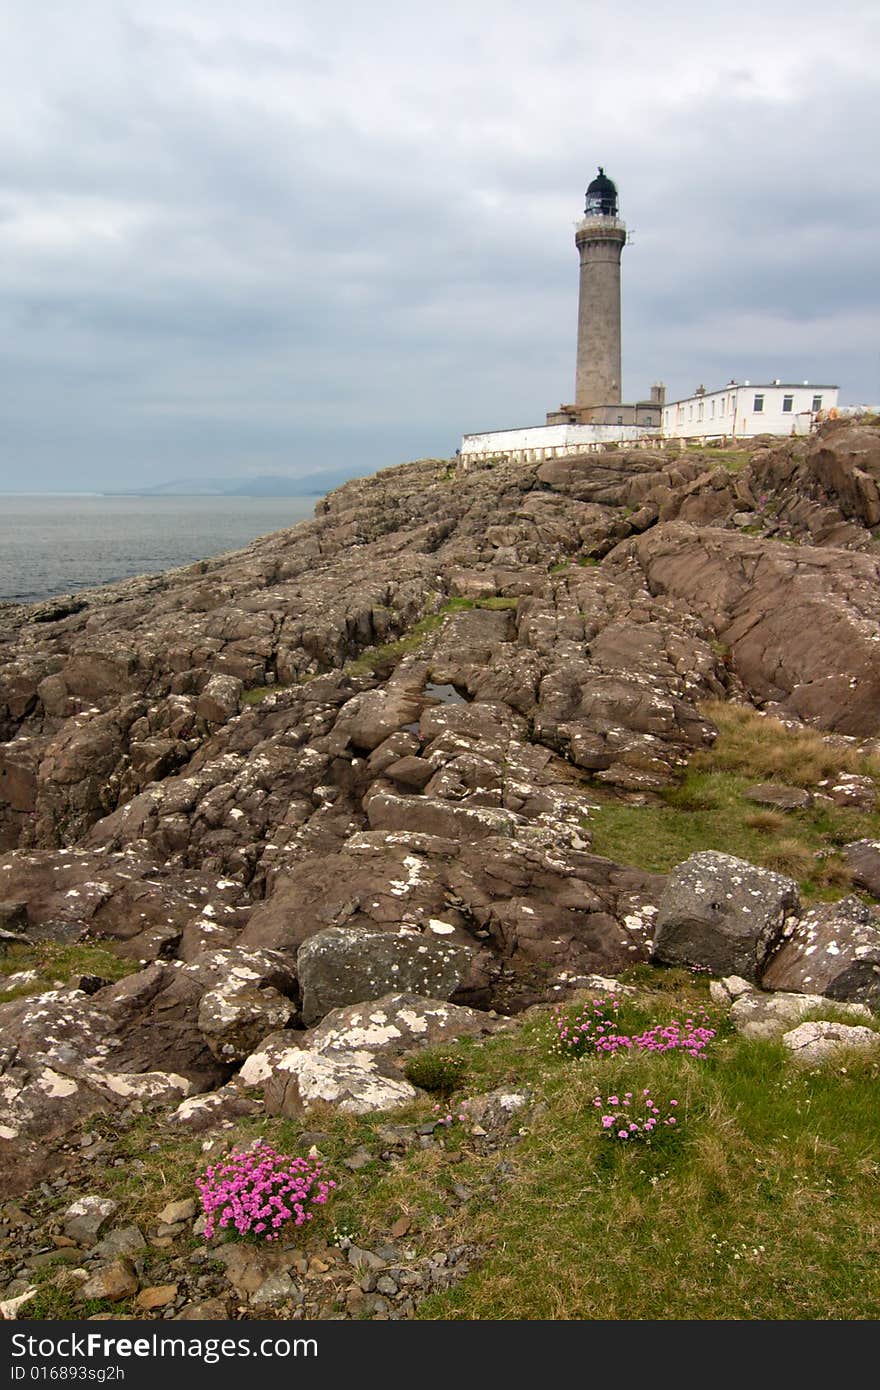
[[600, 238]]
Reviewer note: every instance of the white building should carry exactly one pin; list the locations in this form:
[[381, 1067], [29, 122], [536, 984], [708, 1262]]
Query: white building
[[742, 409]]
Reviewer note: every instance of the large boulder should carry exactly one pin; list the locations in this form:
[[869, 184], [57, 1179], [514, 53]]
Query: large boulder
[[833, 950], [722, 914], [347, 965]]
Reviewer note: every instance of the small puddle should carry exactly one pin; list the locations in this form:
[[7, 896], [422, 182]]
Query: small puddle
[[443, 695]]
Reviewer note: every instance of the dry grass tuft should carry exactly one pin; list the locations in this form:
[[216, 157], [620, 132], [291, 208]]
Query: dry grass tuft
[[766, 749]]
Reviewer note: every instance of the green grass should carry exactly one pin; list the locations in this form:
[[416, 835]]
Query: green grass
[[762, 1203], [707, 809], [53, 962], [258, 693]]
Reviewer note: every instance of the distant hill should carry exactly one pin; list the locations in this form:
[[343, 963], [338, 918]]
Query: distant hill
[[263, 485]]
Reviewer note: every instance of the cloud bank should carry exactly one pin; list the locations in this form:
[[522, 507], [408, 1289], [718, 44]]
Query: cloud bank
[[283, 237]]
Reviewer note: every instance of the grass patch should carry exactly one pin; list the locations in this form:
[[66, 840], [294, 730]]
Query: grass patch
[[775, 1170], [53, 963], [765, 749], [258, 693], [708, 810], [779, 1197]]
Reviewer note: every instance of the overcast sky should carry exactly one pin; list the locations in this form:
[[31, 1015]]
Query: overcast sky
[[282, 236]]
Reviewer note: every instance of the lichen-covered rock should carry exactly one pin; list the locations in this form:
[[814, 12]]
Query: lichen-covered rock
[[233, 1020], [395, 1026], [347, 965], [215, 1109], [812, 1044], [220, 699], [863, 860], [85, 1218], [834, 949], [351, 1081], [723, 914], [759, 1015]]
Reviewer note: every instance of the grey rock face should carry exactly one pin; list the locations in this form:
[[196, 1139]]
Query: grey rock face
[[347, 965], [723, 914], [86, 1217], [863, 858], [812, 1044], [395, 1026], [833, 950], [300, 1079], [760, 1015]]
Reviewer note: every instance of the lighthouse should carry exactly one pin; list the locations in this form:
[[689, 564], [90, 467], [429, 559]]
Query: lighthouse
[[597, 417], [600, 239]]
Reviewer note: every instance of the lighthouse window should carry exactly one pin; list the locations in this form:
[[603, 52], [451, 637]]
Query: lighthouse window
[[817, 402], [787, 403], [759, 404]]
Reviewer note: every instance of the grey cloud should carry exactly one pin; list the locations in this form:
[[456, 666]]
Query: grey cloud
[[267, 233]]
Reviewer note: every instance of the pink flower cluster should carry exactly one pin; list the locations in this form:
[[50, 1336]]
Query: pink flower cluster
[[446, 1117], [595, 1030], [689, 1037], [261, 1190], [630, 1117]]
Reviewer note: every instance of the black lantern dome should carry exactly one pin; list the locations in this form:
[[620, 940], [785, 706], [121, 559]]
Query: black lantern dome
[[601, 196]]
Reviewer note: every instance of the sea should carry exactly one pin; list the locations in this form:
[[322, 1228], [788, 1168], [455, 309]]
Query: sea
[[56, 543]]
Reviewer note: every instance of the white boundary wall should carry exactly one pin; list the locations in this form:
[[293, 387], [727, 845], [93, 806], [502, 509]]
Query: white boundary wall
[[538, 442]]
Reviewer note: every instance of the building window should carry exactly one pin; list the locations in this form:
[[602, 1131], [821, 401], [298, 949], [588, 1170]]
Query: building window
[[712, 411], [690, 412], [817, 403], [759, 405], [620, 419], [787, 403], [700, 411]]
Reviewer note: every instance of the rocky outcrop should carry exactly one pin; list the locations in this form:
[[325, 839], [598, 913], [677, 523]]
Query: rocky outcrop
[[800, 623], [385, 730]]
